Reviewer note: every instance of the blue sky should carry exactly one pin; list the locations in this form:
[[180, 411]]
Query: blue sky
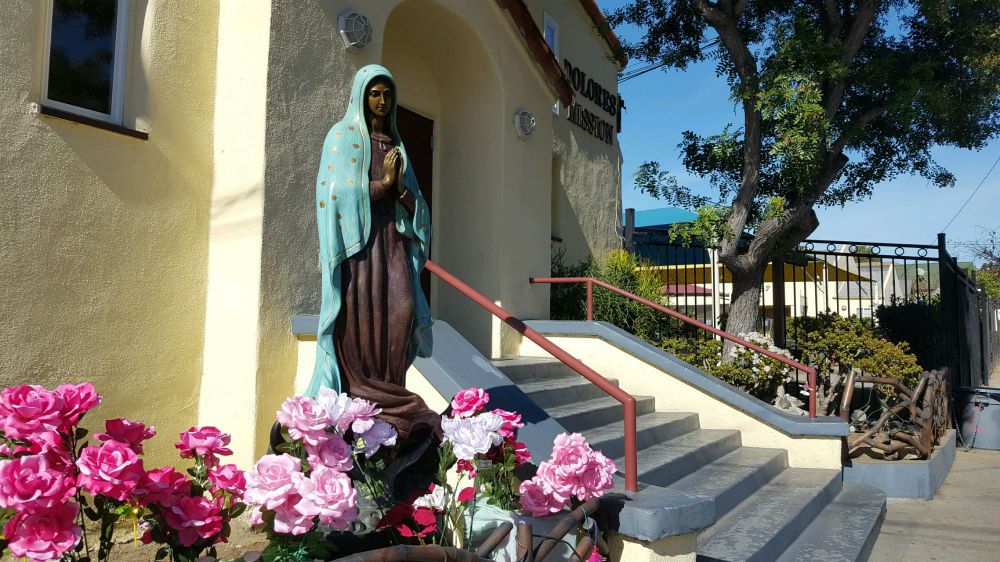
[[663, 104]]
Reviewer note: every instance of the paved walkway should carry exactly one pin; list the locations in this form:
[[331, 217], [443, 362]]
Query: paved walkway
[[961, 523]]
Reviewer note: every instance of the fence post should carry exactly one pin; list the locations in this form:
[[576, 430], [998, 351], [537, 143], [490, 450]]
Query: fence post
[[778, 301], [630, 230], [949, 339]]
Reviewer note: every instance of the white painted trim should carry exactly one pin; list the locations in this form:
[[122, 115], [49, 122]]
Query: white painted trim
[[118, 74], [550, 22]]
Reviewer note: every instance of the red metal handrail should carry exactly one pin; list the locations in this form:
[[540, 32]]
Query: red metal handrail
[[626, 399], [590, 281]]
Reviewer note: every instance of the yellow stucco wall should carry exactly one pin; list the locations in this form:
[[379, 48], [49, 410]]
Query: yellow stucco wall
[[103, 245]]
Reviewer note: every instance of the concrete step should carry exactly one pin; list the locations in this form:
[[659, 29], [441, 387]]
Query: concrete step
[[651, 429], [764, 525], [528, 369], [845, 530], [549, 392], [666, 462], [582, 416], [733, 478]]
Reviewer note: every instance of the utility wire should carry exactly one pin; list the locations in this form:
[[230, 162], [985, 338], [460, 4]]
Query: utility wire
[[971, 195]]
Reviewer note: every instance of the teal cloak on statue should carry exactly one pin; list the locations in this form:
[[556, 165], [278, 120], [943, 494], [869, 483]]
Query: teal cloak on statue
[[344, 218]]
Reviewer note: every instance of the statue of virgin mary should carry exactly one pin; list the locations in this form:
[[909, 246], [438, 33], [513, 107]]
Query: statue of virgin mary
[[374, 235]]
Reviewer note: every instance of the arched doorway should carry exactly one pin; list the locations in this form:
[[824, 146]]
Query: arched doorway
[[445, 75]]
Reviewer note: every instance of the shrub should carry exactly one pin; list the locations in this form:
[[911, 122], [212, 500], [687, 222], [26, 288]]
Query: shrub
[[917, 323], [852, 344], [621, 269]]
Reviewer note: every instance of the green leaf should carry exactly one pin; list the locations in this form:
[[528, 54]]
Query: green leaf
[[80, 433]]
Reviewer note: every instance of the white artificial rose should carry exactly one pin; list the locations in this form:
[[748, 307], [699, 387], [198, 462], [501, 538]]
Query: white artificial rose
[[434, 500], [470, 436], [334, 403]]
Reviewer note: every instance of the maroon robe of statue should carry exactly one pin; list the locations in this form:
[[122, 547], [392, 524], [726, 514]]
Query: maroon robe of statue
[[372, 333]]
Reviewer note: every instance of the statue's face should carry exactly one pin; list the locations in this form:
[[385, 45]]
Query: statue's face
[[380, 98]]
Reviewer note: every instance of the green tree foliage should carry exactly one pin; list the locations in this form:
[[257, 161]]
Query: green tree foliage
[[756, 374], [985, 248], [836, 96]]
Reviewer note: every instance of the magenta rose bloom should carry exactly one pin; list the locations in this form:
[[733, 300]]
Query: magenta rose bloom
[[30, 484], [270, 483], [193, 519], [333, 452], [44, 535], [162, 486], [334, 497], [112, 469], [29, 409], [128, 432], [206, 442], [469, 401], [511, 422], [53, 447], [538, 499], [304, 418], [521, 453], [229, 478], [78, 399]]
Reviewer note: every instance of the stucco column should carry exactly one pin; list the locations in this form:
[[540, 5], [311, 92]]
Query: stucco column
[[229, 381]]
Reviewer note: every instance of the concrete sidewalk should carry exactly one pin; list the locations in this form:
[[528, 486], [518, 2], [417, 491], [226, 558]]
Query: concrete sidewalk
[[961, 523]]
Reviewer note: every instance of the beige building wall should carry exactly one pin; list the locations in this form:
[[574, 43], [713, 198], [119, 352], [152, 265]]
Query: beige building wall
[[104, 236], [586, 176]]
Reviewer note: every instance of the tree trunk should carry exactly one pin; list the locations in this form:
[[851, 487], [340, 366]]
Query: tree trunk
[[744, 304]]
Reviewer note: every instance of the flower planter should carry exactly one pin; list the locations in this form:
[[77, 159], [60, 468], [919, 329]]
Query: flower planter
[[488, 517]]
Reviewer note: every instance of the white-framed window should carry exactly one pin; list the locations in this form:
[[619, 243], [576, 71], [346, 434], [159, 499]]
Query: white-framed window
[[84, 61], [550, 29]]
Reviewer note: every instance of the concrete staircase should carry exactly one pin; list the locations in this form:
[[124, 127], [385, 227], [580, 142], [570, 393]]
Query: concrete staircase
[[765, 509]]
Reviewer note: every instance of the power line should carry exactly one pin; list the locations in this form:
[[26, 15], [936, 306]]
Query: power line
[[971, 195]]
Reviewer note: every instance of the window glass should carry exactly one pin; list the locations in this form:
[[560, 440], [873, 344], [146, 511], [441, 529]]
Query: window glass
[[81, 60]]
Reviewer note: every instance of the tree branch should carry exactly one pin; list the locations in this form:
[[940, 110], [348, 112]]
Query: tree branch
[[740, 6], [851, 44], [857, 126]]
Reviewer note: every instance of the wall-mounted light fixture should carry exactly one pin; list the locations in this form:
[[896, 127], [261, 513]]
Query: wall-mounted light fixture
[[355, 29], [524, 123]]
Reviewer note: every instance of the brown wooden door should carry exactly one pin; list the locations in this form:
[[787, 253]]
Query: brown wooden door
[[417, 133]]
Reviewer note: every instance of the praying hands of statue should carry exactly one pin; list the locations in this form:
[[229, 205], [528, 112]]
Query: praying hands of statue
[[392, 171]]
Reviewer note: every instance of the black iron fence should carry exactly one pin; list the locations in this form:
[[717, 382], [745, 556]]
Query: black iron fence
[[913, 292]]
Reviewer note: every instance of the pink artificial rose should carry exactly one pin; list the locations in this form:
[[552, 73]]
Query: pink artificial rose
[[469, 401], [361, 416], [112, 469], [304, 418], [29, 409], [538, 499], [595, 556], [44, 535], [333, 452], [295, 515], [571, 454], [598, 477], [53, 446], [128, 432], [205, 442], [163, 486], [334, 497], [558, 484], [194, 518], [228, 477], [256, 517], [521, 453], [78, 399], [270, 483], [30, 484], [511, 422]]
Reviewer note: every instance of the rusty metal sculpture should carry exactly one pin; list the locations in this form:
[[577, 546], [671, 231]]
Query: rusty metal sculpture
[[923, 413]]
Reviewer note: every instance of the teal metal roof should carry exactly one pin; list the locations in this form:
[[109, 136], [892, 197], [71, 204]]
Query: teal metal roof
[[662, 217]]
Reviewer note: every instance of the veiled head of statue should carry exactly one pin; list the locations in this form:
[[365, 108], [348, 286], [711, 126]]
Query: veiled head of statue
[[379, 97]]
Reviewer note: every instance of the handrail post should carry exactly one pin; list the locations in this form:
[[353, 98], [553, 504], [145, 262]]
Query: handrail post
[[631, 449], [590, 300], [812, 392]]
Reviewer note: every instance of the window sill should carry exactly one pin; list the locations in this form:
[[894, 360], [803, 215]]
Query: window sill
[[68, 116]]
